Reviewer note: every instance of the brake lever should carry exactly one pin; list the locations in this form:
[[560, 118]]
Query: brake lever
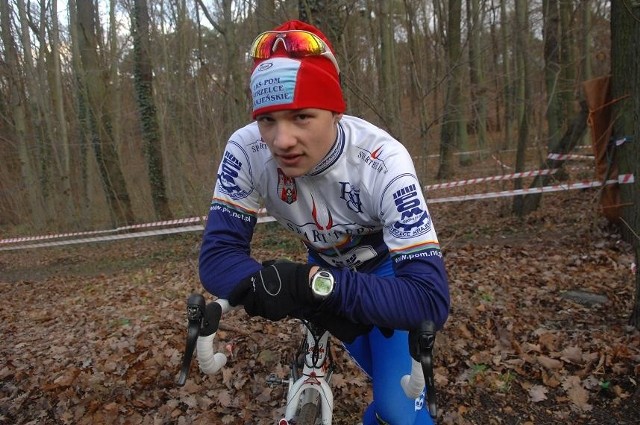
[[195, 316], [421, 348]]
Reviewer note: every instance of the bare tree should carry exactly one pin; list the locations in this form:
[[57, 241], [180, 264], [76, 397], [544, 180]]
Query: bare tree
[[94, 90], [143, 72], [551, 14], [625, 90], [451, 132], [17, 118], [388, 74], [475, 30], [419, 79], [62, 134], [506, 50], [524, 95]]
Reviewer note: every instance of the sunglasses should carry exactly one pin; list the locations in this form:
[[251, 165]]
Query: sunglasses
[[297, 43]]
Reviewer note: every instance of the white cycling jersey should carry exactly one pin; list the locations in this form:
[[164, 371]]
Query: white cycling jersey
[[360, 206]]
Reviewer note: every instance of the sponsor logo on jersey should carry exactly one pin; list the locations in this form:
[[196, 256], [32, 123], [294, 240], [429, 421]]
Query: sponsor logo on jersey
[[351, 194], [373, 160], [229, 171], [376, 153], [258, 145], [287, 188], [342, 236], [314, 214], [414, 220]]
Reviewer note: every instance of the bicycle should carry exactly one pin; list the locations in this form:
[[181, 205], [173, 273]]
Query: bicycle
[[309, 394]]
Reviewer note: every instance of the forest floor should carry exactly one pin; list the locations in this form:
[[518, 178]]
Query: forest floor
[[538, 332]]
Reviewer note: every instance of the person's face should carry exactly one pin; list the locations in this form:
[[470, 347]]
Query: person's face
[[299, 138]]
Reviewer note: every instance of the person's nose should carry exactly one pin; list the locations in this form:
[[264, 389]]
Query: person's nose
[[284, 137]]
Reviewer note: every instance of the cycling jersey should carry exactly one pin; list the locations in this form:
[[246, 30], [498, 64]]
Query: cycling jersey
[[361, 206]]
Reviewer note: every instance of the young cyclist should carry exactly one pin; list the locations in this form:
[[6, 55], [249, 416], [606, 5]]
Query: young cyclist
[[349, 191]]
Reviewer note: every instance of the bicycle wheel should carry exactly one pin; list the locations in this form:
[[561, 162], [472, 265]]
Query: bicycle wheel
[[308, 414]]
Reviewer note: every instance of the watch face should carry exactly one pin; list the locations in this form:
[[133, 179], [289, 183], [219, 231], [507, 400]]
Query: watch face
[[322, 283]]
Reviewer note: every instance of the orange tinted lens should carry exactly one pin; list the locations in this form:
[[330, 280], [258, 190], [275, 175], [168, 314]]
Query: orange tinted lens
[[302, 43], [261, 47], [296, 43]]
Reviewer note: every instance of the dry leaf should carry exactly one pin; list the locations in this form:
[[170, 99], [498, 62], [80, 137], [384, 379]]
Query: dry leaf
[[577, 393], [549, 363], [224, 398], [572, 355], [538, 393]]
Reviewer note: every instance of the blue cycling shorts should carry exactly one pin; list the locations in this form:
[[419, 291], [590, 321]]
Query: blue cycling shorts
[[386, 361]]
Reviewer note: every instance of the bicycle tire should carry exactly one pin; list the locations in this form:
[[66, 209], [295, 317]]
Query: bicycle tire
[[308, 414]]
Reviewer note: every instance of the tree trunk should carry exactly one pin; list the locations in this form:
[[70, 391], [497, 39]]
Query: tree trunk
[[389, 96], [18, 117], [522, 36], [450, 132], [94, 86], [568, 64], [62, 133], [507, 85], [265, 15], [564, 145], [550, 9], [143, 72], [475, 15], [625, 92], [418, 105], [586, 68]]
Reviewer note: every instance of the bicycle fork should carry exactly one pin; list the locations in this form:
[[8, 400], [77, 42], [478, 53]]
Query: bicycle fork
[[312, 386]]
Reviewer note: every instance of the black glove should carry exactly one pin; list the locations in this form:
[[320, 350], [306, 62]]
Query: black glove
[[277, 290], [342, 328]]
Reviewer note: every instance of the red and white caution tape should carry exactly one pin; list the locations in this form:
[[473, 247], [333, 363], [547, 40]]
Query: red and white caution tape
[[532, 173], [524, 174], [567, 156], [500, 163], [98, 232], [263, 218], [180, 221], [626, 178], [107, 237], [171, 230]]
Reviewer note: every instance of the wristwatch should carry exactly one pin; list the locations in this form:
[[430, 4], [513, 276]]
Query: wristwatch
[[322, 283]]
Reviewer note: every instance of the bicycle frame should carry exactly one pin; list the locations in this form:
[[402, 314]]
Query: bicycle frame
[[313, 385]]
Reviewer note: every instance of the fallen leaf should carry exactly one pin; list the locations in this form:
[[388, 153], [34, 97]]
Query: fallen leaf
[[577, 393], [549, 363], [538, 393]]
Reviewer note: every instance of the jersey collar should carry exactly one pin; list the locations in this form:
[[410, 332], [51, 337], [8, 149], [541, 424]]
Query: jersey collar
[[333, 154]]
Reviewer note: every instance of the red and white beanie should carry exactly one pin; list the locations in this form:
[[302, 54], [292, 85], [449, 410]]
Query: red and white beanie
[[281, 82]]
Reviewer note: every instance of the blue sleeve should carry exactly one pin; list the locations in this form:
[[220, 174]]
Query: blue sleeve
[[418, 291], [225, 254]]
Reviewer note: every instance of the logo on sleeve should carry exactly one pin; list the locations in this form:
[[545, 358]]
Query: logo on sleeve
[[229, 172], [414, 220]]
